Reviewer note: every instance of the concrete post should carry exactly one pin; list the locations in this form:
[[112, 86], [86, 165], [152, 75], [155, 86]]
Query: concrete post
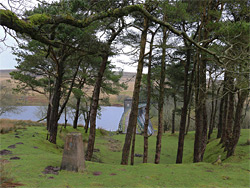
[[73, 154]]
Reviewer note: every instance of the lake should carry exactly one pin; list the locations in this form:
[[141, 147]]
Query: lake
[[108, 119]]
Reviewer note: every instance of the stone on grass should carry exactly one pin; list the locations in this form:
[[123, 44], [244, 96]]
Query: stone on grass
[[14, 158], [5, 152], [51, 170], [97, 173], [73, 154], [12, 146]]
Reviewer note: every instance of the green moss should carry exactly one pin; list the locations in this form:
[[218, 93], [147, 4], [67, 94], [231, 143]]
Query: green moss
[[38, 19]]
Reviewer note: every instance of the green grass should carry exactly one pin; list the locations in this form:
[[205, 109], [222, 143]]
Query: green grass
[[234, 172]]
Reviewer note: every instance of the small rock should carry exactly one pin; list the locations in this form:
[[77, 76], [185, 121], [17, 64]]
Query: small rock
[[5, 152], [138, 155], [51, 170], [12, 146], [51, 177], [14, 158], [17, 136], [112, 174], [19, 143], [97, 173], [35, 147]]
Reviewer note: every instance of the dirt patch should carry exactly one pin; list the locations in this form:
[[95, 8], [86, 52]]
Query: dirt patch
[[114, 145], [113, 174], [97, 173], [4, 161], [5, 152], [12, 146], [51, 170], [11, 184]]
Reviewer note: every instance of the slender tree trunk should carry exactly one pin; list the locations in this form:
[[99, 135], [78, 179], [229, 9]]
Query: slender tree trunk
[[55, 105], [237, 123], [88, 118], [78, 102], [230, 114], [65, 117], [212, 113], [161, 96], [145, 152], [186, 99], [189, 117], [133, 148], [225, 109], [48, 116], [173, 115], [220, 122], [134, 109], [94, 106]]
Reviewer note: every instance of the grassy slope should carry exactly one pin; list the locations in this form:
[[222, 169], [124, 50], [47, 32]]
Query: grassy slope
[[233, 173]]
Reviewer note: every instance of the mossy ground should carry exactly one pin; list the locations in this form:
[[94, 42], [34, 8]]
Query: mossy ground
[[36, 153]]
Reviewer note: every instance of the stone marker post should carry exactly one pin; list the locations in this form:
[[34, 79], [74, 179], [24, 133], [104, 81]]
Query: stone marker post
[[73, 154]]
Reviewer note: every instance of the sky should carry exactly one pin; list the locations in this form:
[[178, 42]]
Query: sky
[[7, 59]]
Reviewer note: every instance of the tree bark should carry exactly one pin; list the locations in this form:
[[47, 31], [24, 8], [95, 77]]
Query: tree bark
[[230, 114], [145, 152], [133, 148], [161, 96], [78, 101], [173, 115], [225, 109], [237, 123], [186, 99], [55, 104], [94, 106], [135, 101]]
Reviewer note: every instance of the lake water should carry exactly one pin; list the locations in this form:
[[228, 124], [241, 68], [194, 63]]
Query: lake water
[[108, 120]]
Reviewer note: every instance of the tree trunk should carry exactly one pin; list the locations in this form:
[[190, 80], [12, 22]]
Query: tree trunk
[[212, 112], [219, 133], [237, 123], [133, 148], [134, 109], [65, 117], [189, 117], [225, 109], [173, 116], [200, 112], [186, 99], [94, 106], [77, 112], [145, 152], [161, 96], [230, 114], [55, 105]]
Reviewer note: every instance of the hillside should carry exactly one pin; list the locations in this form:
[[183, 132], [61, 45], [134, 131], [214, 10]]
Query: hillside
[[32, 98], [31, 154]]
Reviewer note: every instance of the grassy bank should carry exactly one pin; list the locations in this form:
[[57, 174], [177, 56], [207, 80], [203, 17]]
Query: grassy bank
[[36, 154]]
